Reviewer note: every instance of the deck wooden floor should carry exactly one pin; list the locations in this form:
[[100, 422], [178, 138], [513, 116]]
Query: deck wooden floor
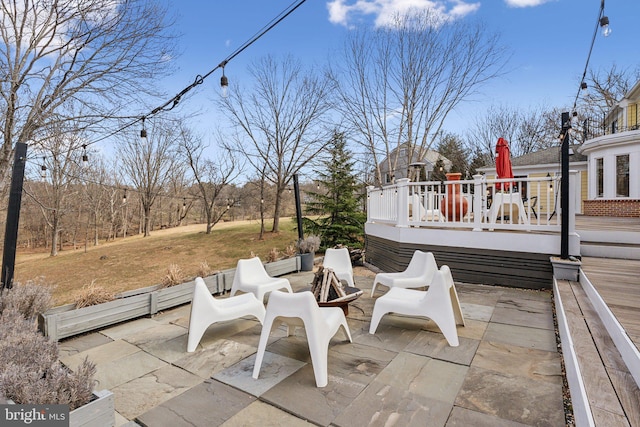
[[618, 283]]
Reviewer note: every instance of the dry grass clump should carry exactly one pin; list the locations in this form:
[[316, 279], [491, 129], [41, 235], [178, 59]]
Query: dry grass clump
[[173, 277], [204, 270], [290, 251], [92, 294], [273, 255], [31, 372]]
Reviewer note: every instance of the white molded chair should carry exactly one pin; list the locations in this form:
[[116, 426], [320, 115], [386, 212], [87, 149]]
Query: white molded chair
[[320, 323], [418, 273], [206, 310], [339, 261], [439, 303], [252, 277]]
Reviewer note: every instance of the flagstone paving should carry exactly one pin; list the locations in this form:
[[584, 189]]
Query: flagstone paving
[[505, 372]]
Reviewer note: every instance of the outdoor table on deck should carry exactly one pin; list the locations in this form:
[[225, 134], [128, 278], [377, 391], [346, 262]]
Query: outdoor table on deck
[[503, 201]]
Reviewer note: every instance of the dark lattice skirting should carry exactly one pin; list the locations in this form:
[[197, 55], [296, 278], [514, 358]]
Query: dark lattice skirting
[[514, 269]]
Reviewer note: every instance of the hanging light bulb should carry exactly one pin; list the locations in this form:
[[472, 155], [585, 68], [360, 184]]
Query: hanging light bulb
[[604, 24], [184, 204], [224, 84], [124, 197], [143, 133]]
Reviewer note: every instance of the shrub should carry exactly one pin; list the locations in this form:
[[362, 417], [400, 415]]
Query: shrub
[[92, 294], [28, 299], [30, 371], [309, 244]]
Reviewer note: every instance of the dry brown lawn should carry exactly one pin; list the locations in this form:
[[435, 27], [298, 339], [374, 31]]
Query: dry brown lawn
[[136, 262]]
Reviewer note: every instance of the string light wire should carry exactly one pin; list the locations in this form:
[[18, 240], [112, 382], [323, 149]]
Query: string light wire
[[199, 79], [586, 65]]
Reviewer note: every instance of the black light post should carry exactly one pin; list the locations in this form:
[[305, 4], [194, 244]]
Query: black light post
[[296, 190], [564, 187], [13, 216]]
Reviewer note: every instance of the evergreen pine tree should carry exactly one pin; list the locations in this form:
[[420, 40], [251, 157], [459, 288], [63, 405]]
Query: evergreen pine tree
[[338, 202]]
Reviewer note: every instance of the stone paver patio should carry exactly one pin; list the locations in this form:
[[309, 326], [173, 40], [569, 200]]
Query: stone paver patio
[[506, 371]]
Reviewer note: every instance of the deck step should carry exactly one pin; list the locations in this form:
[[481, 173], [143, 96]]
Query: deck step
[[603, 391], [609, 250]]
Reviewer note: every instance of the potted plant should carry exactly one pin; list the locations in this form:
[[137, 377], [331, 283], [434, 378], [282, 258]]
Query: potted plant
[[306, 250], [33, 373]]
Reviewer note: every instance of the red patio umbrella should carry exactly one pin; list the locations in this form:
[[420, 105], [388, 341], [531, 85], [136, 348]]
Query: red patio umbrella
[[503, 164]]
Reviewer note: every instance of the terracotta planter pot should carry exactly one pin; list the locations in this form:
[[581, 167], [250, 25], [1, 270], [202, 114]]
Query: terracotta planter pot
[[454, 205]]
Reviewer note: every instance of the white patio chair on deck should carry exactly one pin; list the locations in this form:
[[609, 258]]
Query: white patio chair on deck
[[252, 277], [418, 273], [339, 261], [320, 323], [439, 303], [207, 310]]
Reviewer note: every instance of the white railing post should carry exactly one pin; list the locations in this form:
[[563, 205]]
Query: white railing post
[[478, 205], [403, 202], [370, 188]]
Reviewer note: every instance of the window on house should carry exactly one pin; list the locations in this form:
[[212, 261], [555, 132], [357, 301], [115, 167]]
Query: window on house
[[599, 177], [622, 176], [614, 126]]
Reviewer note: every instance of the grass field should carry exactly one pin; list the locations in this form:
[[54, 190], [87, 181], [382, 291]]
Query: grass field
[[136, 261]]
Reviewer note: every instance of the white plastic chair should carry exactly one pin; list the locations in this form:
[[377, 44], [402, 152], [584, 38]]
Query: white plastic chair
[[320, 323], [439, 303], [252, 277], [206, 310], [339, 261], [418, 273]]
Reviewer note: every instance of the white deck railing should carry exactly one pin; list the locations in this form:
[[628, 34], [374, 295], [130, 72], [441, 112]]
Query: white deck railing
[[530, 204]]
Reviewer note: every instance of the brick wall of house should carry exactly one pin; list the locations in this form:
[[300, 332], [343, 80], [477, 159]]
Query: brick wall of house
[[617, 208]]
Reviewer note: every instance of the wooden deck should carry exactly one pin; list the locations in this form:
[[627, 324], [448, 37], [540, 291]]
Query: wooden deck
[[613, 396], [618, 283]]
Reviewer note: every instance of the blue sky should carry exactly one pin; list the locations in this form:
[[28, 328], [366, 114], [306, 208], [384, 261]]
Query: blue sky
[[549, 42]]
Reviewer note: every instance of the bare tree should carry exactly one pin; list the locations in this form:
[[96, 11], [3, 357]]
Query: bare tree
[[149, 164], [397, 85], [281, 120], [98, 54], [606, 88], [60, 167], [212, 177], [527, 131]]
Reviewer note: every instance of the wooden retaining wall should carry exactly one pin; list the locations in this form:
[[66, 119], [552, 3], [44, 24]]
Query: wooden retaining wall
[[489, 267]]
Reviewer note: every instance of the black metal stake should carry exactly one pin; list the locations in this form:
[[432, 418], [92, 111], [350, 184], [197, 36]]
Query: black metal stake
[[564, 187], [13, 216], [296, 190]]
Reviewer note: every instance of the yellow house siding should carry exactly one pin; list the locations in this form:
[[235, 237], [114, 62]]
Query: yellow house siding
[[584, 194], [632, 116]]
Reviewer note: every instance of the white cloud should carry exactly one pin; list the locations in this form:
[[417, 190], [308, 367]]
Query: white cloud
[[343, 12], [525, 3]]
